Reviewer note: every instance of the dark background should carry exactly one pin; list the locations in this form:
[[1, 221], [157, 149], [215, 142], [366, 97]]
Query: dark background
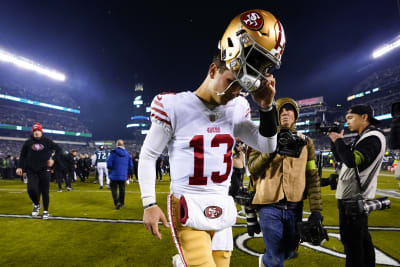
[[106, 47]]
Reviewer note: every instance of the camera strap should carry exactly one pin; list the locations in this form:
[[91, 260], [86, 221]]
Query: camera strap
[[369, 179], [364, 186]]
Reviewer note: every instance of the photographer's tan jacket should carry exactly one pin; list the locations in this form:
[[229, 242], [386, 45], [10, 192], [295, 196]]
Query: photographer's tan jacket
[[279, 176]]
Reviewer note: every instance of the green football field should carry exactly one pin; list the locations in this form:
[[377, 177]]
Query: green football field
[[84, 229]]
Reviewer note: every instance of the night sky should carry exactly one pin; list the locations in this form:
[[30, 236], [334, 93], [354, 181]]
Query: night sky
[[106, 47]]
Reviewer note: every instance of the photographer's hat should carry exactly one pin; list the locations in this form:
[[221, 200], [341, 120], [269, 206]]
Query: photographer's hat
[[364, 109]]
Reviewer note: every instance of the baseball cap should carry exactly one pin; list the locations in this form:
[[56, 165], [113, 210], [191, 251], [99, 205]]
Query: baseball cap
[[37, 127], [364, 109]]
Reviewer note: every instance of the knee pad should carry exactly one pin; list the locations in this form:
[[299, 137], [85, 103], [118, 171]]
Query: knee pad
[[222, 258]]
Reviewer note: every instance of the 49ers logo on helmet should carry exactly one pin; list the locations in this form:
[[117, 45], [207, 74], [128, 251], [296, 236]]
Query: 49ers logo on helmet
[[37, 147], [212, 212], [252, 20]]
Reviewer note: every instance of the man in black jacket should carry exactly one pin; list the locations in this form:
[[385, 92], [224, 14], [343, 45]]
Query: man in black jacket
[[36, 160], [61, 169]]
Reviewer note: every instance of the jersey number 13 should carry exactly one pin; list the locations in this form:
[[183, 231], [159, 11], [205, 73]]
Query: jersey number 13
[[197, 143]]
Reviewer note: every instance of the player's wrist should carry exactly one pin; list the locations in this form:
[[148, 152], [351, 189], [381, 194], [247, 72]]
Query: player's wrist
[[150, 205], [146, 201]]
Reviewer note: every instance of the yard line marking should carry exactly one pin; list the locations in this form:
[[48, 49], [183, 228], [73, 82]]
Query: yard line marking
[[73, 219], [388, 193], [78, 190], [134, 221]]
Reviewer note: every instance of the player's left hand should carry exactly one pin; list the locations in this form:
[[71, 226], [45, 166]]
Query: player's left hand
[[264, 95]]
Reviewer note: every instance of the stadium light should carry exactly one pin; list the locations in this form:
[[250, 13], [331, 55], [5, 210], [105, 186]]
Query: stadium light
[[386, 49], [30, 65]]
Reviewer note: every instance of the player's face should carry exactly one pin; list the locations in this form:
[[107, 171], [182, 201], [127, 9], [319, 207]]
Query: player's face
[[227, 83], [286, 117], [37, 134]]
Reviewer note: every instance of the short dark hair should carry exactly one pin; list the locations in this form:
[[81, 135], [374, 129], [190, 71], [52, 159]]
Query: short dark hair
[[221, 64]]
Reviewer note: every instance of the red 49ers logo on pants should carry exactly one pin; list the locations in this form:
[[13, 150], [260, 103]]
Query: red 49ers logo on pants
[[212, 212]]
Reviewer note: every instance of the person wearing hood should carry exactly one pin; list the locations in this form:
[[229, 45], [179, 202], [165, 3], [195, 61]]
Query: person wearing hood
[[120, 162], [36, 160], [282, 181]]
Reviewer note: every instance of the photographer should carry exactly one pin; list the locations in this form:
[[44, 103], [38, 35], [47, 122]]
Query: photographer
[[238, 168], [285, 177], [358, 179]]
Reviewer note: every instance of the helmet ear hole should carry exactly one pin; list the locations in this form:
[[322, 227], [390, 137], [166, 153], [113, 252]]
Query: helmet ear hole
[[230, 43]]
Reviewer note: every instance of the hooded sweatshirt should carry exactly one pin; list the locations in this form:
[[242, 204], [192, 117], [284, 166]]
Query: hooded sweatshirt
[[36, 152], [120, 162]]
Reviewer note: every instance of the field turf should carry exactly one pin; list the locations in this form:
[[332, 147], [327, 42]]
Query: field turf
[[84, 229]]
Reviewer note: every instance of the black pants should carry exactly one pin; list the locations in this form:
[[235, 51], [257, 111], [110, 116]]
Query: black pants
[[70, 177], [356, 239], [85, 174], [236, 181], [135, 171], [80, 174], [60, 177], [158, 174], [114, 188], [39, 183]]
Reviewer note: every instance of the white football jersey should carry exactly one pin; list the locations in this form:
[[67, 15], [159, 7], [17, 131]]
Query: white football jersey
[[200, 148]]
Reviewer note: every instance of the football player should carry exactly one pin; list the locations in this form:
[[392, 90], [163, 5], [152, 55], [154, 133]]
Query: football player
[[200, 128], [101, 165]]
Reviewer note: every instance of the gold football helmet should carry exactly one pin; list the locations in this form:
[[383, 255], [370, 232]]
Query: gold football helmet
[[251, 46]]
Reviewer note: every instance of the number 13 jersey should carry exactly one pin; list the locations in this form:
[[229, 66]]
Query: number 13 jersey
[[200, 148]]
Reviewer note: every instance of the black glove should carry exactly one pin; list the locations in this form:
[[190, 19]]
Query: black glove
[[315, 217], [252, 223]]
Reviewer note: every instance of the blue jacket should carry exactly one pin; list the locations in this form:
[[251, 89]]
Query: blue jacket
[[120, 163]]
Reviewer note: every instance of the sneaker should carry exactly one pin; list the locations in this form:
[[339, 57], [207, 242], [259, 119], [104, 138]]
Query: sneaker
[[118, 206], [293, 255], [177, 261], [107, 185], [45, 215], [35, 211], [69, 188], [101, 187], [260, 262], [59, 190], [121, 206]]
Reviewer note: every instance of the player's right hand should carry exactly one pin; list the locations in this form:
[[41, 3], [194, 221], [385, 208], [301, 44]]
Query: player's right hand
[[151, 217], [19, 171]]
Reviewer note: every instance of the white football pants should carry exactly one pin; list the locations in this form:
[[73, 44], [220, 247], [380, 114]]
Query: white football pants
[[101, 169]]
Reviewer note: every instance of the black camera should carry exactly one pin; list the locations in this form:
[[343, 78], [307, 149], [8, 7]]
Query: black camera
[[326, 127], [290, 144], [357, 205], [244, 197], [331, 181], [312, 233]]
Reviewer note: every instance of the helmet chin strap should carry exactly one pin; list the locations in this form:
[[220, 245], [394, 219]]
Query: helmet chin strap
[[225, 90]]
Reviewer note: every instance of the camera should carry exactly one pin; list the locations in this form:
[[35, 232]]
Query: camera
[[331, 181], [326, 127], [312, 233], [244, 197], [290, 144], [376, 204], [357, 206]]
